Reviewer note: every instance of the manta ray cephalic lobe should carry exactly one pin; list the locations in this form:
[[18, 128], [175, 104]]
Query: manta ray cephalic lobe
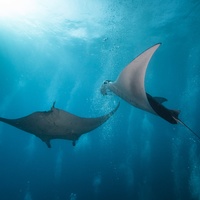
[[57, 124], [130, 86]]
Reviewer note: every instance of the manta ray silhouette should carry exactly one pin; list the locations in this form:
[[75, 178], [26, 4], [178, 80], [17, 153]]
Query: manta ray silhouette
[[57, 124], [130, 87]]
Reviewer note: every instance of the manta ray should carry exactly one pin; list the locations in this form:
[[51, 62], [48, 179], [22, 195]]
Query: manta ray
[[130, 86], [57, 124]]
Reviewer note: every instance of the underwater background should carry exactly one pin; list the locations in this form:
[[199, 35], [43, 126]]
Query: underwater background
[[62, 50]]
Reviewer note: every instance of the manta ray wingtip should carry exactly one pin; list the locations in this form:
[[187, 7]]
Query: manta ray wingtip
[[118, 105], [114, 110], [48, 144], [157, 44], [73, 143]]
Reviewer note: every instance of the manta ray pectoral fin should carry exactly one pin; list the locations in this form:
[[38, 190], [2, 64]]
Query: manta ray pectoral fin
[[130, 83], [160, 99]]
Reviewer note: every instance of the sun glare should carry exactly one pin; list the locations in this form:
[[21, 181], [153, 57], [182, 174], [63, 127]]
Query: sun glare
[[16, 8], [61, 18]]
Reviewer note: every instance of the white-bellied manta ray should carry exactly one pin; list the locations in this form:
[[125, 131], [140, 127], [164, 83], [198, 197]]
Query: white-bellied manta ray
[[57, 124], [130, 87]]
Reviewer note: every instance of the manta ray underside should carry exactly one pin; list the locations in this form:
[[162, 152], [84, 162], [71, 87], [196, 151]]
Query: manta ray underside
[[130, 87], [57, 124]]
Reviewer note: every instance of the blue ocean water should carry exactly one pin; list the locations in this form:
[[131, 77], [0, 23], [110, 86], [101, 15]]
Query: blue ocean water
[[62, 50]]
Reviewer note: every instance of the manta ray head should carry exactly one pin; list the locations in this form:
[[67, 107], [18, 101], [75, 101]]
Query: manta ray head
[[105, 87]]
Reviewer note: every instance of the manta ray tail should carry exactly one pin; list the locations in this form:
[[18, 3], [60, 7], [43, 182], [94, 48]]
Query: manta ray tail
[[175, 114], [181, 122]]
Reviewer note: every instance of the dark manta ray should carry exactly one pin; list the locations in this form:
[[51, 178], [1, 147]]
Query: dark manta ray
[[130, 87], [57, 124]]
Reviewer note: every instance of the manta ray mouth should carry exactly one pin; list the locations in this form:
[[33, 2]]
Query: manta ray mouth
[[104, 88]]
